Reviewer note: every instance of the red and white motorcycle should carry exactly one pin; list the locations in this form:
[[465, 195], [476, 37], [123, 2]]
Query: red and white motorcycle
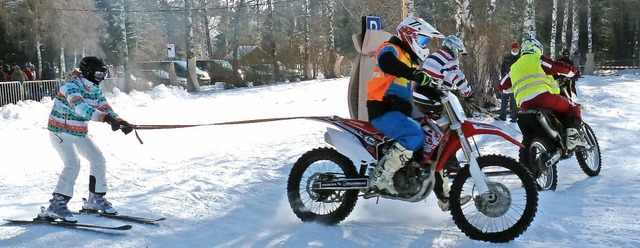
[[324, 183]]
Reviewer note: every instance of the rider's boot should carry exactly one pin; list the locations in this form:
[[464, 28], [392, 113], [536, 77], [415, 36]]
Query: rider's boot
[[397, 157], [444, 203], [575, 139]]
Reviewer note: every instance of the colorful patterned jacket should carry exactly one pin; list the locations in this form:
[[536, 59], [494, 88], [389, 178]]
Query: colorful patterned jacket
[[77, 102]]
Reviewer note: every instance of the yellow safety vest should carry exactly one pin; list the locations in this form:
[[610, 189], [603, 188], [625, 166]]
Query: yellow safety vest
[[528, 78]]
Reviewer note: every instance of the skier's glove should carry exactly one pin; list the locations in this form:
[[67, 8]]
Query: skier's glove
[[422, 78], [126, 127], [115, 124]]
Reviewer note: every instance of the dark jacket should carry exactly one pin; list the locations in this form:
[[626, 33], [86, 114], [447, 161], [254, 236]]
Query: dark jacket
[[507, 61]]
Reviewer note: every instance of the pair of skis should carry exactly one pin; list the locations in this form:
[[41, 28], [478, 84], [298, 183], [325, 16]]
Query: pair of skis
[[53, 222]]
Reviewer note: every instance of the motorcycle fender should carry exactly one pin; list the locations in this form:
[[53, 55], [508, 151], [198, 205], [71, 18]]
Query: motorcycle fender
[[348, 145], [470, 128]]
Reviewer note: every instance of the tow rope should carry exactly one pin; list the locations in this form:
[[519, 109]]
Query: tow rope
[[154, 127]]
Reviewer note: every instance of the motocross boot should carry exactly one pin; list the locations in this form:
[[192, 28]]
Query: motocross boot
[[397, 157], [444, 203], [575, 139]]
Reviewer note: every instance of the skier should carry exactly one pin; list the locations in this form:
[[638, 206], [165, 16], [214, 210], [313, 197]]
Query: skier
[[78, 101], [534, 87], [444, 66], [389, 95]]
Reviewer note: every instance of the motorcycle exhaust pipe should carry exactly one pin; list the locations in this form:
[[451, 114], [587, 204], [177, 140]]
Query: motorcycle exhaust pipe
[[545, 125]]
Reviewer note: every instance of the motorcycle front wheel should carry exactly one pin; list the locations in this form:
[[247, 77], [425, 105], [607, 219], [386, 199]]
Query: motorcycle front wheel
[[590, 160], [503, 213], [321, 205]]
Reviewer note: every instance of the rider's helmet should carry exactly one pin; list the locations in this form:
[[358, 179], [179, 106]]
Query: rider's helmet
[[531, 45], [93, 69], [416, 33], [454, 46]]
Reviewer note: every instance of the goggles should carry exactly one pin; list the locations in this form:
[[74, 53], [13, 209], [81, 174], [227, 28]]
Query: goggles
[[100, 75], [422, 41]]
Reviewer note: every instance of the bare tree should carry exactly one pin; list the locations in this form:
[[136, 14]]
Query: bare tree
[[574, 30], [192, 83], [565, 24], [530, 19]]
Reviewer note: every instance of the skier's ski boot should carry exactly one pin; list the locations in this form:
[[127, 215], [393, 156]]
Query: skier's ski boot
[[58, 209], [97, 203]]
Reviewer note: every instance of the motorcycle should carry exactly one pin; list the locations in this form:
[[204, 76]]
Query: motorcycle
[[544, 139], [324, 184]]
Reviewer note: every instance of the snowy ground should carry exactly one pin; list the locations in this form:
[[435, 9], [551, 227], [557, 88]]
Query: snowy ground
[[224, 186]]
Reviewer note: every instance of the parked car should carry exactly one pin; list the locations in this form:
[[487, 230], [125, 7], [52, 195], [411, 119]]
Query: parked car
[[221, 70], [180, 68], [157, 77]]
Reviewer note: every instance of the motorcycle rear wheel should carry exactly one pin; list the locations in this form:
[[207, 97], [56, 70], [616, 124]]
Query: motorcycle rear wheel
[[322, 206], [590, 160], [511, 209], [535, 154]]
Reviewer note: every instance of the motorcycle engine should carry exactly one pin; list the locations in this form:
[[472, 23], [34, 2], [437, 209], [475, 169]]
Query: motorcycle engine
[[407, 180]]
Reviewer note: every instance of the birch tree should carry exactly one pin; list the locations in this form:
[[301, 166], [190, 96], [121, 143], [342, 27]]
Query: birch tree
[[330, 40], [574, 29], [530, 19], [565, 24], [554, 24], [589, 32]]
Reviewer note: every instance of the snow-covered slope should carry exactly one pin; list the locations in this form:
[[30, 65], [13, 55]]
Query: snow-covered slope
[[224, 186]]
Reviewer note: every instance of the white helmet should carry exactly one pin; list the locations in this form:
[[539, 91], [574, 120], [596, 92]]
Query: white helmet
[[455, 46], [416, 33], [531, 45]]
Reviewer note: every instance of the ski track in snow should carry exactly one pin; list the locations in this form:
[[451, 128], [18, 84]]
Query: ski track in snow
[[225, 186]]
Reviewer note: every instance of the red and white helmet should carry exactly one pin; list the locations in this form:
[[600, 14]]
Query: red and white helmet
[[416, 33]]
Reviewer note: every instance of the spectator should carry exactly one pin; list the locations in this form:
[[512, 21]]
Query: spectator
[[47, 72], [564, 57], [18, 74], [27, 71], [507, 99]]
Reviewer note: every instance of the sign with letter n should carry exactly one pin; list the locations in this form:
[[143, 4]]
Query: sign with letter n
[[373, 23]]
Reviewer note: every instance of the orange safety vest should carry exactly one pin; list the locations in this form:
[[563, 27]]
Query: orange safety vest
[[383, 83]]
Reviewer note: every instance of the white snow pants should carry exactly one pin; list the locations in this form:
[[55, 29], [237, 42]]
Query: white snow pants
[[69, 146]]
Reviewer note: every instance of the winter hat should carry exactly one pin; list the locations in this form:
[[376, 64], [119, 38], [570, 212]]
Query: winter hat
[[515, 45]]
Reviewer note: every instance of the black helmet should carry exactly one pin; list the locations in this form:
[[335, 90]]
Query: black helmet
[[93, 69]]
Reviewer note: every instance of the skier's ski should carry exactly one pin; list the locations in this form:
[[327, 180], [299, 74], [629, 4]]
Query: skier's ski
[[136, 219], [68, 224]]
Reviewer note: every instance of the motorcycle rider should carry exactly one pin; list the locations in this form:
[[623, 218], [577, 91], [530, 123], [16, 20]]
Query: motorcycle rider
[[389, 95], [443, 65], [534, 87]]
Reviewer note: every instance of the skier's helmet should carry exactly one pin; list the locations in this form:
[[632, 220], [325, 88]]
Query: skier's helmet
[[531, 45], [93, 69], [416, 33], [454, 46]]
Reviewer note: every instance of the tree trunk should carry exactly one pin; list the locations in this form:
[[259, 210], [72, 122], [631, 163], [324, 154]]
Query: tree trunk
[[408, 9], [565, 24], [271, 43], [331, 45], [192, 80], [63, 63], [307, 42], [530, 19], [589, 31], [574, 30], [554, 24], [124, 49]]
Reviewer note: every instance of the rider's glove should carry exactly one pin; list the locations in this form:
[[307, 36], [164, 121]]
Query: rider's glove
[[115, 124], [422, 78]]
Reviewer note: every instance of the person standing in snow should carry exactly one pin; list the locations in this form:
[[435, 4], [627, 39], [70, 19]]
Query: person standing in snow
[[506, 98], [531, 80], [78, 101]]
